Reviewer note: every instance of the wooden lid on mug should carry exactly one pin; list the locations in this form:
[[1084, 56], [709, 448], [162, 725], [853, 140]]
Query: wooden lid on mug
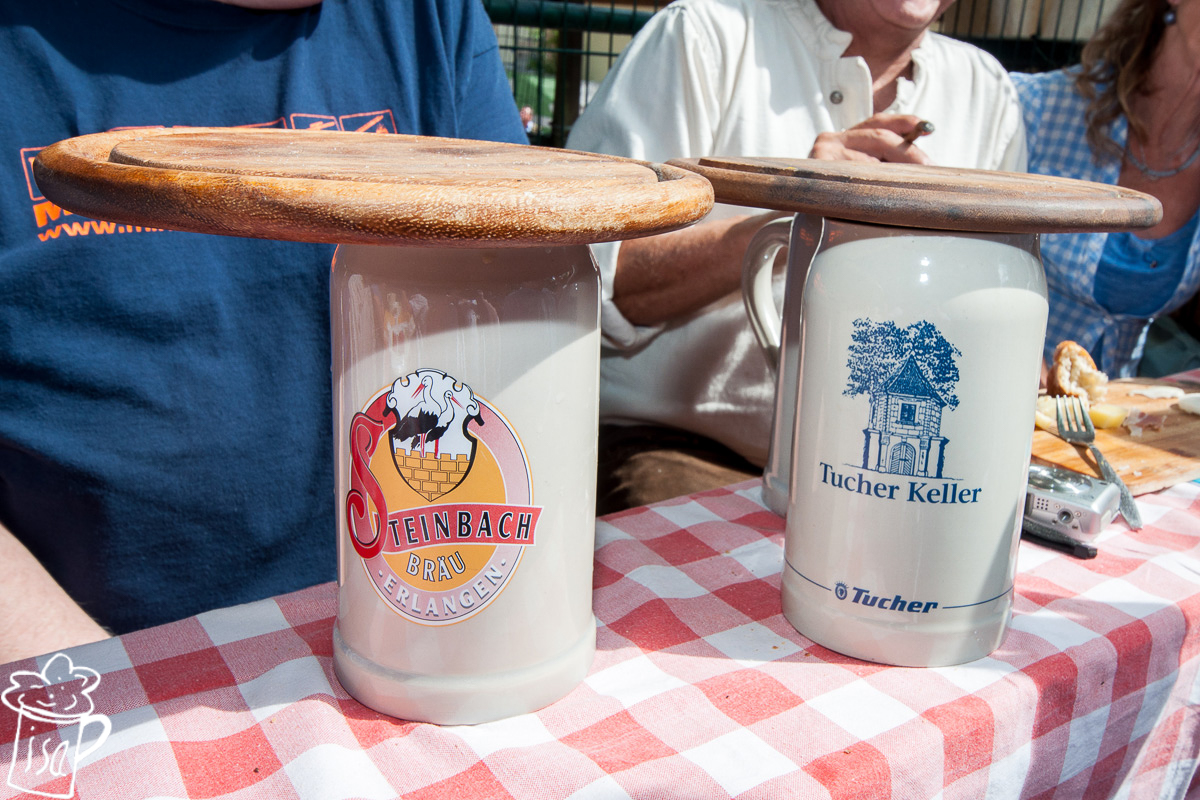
[[917, 196], [329, 186]]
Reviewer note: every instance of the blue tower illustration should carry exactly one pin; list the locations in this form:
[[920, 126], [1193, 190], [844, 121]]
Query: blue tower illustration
[[909, 375], [904, 434]]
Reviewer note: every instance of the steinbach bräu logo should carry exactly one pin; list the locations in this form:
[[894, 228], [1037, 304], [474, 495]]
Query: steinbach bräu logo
[[442, 513]]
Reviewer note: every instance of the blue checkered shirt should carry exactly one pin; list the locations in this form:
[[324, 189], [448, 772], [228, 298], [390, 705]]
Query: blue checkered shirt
[[1056, 133]]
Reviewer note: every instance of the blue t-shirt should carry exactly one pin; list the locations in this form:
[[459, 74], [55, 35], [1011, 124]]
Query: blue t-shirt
[[165, 413]]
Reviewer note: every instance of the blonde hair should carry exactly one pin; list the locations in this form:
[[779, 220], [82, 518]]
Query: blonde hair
[[1115, 66]]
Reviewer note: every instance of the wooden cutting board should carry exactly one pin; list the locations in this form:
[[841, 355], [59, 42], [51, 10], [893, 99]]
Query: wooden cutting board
[[920, 196], [365, 188], [1154, 460]]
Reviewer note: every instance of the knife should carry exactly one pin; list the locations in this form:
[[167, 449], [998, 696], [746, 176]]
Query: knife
[[1128, 506]]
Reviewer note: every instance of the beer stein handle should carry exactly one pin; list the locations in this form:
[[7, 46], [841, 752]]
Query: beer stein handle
[[779, 334], [757, 273]]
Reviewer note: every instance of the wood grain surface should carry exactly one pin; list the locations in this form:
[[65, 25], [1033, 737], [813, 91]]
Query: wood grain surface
[[329, 186], [1155, 460], [916, 196]]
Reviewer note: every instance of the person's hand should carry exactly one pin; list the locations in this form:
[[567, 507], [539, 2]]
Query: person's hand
[[877, 138]]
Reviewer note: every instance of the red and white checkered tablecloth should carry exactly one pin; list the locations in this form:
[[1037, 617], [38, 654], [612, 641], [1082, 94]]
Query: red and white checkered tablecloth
[[700, 689]]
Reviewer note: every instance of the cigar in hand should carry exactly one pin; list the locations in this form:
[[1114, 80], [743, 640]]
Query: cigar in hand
[[923, 128]]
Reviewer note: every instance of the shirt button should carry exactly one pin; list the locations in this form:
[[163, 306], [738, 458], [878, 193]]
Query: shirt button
[[836, 97]]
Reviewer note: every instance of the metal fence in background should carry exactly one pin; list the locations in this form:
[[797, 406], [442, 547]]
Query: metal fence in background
[[1027, 35], [557, 53]]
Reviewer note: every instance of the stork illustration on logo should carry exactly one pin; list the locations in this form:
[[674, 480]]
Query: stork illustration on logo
[[442, 515], [431, 431]]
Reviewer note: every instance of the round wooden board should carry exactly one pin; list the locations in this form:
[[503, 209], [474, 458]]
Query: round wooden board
[[329, 186], [915, 196]]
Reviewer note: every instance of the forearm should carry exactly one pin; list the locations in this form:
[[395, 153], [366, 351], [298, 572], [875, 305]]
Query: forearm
[[660, 278], [36, 615]]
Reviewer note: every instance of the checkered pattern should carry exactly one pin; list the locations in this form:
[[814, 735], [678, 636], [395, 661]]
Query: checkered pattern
[[1055, 126], [700, 688]]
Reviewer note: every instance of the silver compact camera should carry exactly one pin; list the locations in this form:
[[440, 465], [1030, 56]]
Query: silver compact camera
[[1070, 502]]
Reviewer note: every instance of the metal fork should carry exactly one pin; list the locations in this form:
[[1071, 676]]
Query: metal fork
[[1075, 427]]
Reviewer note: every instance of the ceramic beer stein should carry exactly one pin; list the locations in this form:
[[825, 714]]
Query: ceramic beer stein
[[913, 320], [465, 312], [466, 401], [919, 356]]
